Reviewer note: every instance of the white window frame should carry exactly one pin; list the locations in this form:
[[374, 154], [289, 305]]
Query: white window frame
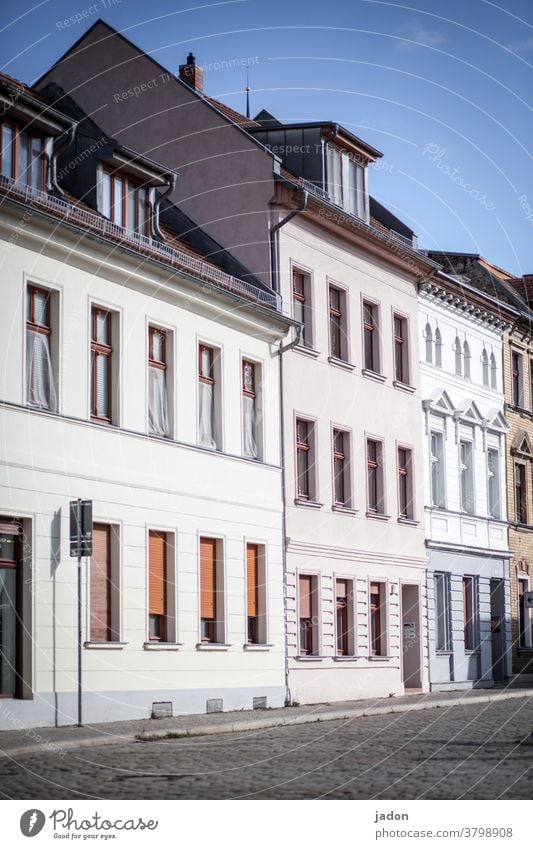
[[493, 474], [440, 464], [470, 494], [442, 578]]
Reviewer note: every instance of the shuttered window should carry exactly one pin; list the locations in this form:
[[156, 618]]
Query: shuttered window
[[11, 622], [208, 589], [252, 592], [100, 585], [157, 585], [377, 620], [307, 621], [342, 626]]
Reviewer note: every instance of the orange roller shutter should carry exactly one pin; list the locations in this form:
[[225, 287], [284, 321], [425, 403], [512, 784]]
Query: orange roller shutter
[[342, 589], [208, 578], [305, 585], [252, 579], [157, 577], [101, 584]]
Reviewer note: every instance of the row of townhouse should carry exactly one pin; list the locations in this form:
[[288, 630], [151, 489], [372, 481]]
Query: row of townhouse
[[307, 442]]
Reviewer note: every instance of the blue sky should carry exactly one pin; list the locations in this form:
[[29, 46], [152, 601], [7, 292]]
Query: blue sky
[[442, 88]]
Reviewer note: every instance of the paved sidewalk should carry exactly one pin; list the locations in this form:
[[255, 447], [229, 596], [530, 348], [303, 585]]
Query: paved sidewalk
[[28, 741]]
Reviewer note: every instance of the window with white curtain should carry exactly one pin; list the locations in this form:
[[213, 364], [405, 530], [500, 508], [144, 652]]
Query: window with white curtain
[[206, 397], [40, 385], [158, 420], [249, 412]]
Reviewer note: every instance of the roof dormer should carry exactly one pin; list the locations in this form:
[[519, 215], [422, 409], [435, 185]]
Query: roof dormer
[[126, 191], [28, 129], [346, 177]]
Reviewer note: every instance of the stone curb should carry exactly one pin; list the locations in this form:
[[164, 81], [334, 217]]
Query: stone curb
[[323, 716], [62, 745]]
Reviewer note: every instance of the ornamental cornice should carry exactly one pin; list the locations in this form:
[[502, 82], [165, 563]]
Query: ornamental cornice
[[432, 292]]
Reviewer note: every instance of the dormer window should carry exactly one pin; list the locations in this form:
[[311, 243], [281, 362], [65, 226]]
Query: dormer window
[[22, 157], [347, 181], [125, 202]]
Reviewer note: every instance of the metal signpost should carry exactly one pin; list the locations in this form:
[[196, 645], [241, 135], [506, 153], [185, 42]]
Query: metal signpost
[[81, 545]]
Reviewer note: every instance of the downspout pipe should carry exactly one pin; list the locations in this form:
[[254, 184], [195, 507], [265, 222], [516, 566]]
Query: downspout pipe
[[172, 177], [274, 243], [60, 143], [274, 231]]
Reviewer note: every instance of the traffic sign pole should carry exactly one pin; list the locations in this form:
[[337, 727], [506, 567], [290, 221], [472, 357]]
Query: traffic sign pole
[[81, 542]]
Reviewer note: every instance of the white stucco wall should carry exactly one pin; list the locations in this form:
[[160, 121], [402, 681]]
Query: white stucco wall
[[325, 542], [474, 543], [136, 482]]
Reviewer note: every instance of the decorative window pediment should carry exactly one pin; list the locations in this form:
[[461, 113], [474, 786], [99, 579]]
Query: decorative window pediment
[[440, 403], [522, 445], [469, 412], [497, 421]]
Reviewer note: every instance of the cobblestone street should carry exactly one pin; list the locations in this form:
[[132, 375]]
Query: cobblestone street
[[471, 752]]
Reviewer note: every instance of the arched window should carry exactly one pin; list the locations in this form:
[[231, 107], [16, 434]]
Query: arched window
[[429, 343], [493, 372], [485, 367], [466, 352], [458, 356], [438, 348]]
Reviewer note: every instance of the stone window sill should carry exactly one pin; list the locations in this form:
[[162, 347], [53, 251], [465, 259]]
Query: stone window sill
[[154, 645], [405, 387], [107, 646], [377, 658], [308, 658], [349, 511], [345, 658], [342, 364], [302, 502], [213, 646], [374, 375], [403, 520], [307, 352], [257, 646], [383, 517]]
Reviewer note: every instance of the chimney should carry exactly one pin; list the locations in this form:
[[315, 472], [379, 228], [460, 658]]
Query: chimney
[[192, 74]]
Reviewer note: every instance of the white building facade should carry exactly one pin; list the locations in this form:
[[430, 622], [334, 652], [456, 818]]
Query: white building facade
[[145, 380], [469, 629], [355, 556]]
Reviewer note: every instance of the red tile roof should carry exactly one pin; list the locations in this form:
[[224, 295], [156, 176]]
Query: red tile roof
[[232, 114]]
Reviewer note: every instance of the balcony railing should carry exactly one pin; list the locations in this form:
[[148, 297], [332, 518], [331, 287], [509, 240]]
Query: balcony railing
[[150, 247], [324, 195]]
